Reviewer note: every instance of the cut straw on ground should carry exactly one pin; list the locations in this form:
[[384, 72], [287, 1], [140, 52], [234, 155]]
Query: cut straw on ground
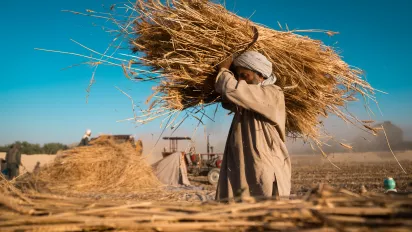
[[323, 209]]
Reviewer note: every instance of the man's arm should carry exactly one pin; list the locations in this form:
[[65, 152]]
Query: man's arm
[[265, 100], [229, 106], [18, 158], [7, 156]]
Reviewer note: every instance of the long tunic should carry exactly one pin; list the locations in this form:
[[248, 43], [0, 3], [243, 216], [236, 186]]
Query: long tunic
[[256, 161], [13, 161], [13, 156]]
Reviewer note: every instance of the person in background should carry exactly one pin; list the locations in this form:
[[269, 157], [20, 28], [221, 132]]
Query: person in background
[[36, 168], [131, 140], [13, 161], [86, 138], [3, 167]]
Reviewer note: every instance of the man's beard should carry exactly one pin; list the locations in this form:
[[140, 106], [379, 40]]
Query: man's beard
[[256, 80]]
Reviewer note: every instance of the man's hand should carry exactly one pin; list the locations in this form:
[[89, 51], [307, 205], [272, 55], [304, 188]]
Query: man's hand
[[226, 63]]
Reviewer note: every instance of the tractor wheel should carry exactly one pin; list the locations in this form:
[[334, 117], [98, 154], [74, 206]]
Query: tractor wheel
[[213, 176]]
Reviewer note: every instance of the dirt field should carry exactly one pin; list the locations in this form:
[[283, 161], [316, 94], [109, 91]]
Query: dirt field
[[351, 176], [356, 169], [368, 169]]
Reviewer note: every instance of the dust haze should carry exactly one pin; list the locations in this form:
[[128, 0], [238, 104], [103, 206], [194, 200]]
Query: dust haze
[[399, 137]]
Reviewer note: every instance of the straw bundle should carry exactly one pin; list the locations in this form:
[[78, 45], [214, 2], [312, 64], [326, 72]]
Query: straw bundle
[[182, 41], [105, 166], [323, 209]]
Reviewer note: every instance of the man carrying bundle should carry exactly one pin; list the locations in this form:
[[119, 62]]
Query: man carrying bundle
[[256, 161]]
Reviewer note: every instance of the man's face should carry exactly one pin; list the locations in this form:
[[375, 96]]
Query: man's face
[[247, 75]]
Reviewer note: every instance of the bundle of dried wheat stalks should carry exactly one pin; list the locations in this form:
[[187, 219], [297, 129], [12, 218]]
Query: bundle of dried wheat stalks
[[182, 41]]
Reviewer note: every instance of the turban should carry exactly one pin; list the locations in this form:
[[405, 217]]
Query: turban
[[256, 62]]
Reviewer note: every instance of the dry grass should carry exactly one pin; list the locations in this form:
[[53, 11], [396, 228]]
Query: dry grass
[[323, 209], [182, 42], [179, 43], [103, 167]]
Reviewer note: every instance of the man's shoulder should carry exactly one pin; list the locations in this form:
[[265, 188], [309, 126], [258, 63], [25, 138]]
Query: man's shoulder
[[225, 73], [273, 88]]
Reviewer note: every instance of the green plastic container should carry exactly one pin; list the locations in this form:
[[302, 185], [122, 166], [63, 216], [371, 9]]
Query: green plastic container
[[389, 183]]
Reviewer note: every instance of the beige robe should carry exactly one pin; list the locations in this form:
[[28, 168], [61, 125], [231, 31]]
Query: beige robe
[[256, 161]]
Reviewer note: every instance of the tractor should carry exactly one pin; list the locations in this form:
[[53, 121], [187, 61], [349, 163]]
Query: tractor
[[197, 164]]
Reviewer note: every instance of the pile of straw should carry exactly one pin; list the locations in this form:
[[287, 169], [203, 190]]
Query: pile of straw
[[103, 167], [323, 209], [182, 41]]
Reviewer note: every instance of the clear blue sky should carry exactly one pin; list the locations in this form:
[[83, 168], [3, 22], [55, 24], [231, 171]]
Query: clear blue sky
[[40, 103]]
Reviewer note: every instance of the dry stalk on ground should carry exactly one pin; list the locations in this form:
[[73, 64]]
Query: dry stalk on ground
[[323, 209]]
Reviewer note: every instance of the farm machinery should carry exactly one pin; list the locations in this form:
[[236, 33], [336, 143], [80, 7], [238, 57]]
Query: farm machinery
[[198, 164]]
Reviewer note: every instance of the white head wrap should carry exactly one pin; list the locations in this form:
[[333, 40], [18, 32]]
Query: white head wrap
[[88, 132], [256, 62]]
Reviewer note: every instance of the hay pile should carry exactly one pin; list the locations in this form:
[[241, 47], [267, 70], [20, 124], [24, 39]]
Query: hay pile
[[182, 41], [323, 209], [103, 167]]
